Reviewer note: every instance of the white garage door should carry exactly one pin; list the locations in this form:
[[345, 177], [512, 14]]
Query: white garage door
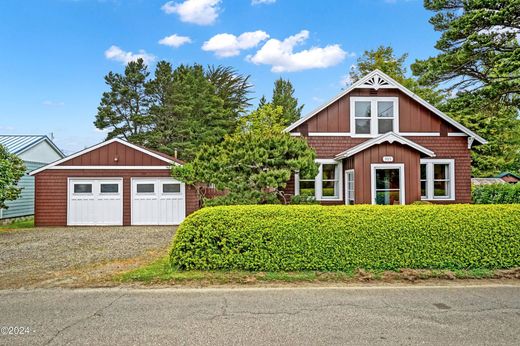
[[158, 201], [95, 201]]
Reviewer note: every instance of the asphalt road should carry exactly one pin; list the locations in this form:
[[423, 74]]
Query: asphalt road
[[359, 316]]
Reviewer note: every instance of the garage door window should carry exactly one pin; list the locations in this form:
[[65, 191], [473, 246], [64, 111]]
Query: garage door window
[[109, 188], [82, 188], [171, 188], [145, 188]]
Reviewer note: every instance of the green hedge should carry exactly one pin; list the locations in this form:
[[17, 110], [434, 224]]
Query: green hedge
[[314, 237], [496, 194]]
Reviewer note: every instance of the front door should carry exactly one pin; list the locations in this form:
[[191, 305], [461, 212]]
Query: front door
[[388, 184]]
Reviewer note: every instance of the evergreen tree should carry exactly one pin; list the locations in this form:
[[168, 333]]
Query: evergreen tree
[[283, 96]]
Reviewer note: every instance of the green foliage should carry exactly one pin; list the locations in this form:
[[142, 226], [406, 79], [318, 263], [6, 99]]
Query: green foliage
[[384, 59], [496, 194], [254, 164], [178, 109], [479, 48], [304, 199], [498, 124], [124, 110], [12, 169], [342, 238], [283, 96]]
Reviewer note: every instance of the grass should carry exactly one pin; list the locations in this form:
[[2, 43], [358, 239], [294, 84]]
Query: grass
[[28, 223], [160, 272]]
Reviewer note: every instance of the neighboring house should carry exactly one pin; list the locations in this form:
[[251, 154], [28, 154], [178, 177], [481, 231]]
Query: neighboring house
[[486, 181], [112, 183], [36, 151], [509, 177], [379, 143]]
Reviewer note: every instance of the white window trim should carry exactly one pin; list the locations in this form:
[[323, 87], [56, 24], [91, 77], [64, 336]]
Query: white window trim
[[318, 183], [373, 118], [429, 179], [347, 196], [402, 190]]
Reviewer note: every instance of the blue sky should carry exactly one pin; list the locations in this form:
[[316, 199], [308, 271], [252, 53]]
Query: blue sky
[[55, 53]]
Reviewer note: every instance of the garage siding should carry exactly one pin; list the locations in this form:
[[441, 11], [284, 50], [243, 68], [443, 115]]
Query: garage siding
[[51, 192]]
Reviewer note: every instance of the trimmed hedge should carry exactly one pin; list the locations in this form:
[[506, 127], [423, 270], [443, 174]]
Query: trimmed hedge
[[496, 194], [340, 238]]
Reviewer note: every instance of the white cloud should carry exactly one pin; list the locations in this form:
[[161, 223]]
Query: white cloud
[[50, 103], [226, 45], [174, 40], [281, 56], [261, 2], [201, 12], [117, 54]]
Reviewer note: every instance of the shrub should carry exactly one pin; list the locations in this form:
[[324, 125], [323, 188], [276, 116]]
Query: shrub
[[496, 194], [341, 238]]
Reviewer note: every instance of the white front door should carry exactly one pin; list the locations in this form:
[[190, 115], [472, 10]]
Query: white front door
[[388, 183], [95, 201], [158, 201]]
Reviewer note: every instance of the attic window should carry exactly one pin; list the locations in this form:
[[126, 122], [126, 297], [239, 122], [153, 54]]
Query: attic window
[[372, 116]]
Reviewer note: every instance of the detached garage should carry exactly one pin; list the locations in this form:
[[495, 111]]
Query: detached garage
[[112, 183]]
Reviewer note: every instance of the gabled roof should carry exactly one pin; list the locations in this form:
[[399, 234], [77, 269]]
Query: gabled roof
[[389, 137], [18, 144], [380, 80], [505, 174], [163, 157]]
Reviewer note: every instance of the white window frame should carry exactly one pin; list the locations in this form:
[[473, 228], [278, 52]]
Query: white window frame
[[373, 115], [402, 190], [318, 181], [430, 181], [348, 197]]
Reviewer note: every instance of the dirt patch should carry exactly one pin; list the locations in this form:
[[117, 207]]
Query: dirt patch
[[76, 256]]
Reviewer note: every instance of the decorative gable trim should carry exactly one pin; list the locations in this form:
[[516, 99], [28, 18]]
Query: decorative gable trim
[[389, 137], [378, 79], [102, 144]]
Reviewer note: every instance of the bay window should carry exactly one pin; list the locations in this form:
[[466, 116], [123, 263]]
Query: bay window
[[325, 186], [437, 179], [372, 116]]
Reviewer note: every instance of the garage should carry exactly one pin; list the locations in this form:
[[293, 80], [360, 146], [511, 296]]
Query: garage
[[112, 183], [157, 201]]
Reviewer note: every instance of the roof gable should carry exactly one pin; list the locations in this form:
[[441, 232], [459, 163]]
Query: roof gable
[[389, 137], [109, 154], [379, 80], [18, 144]]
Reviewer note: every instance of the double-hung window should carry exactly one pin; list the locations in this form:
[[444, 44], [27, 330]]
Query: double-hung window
[[325, 186], [437, 179], [372, 116]]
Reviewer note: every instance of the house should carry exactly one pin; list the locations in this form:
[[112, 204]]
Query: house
[[112, 183], [35, 151], [509, 177], [379, 143]]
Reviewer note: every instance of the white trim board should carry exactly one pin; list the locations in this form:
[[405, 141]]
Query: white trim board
[[389, 137], [109, 167], [389, 83], [99, 145]]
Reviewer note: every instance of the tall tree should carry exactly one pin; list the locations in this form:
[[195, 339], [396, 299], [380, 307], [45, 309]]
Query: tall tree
[[496, 122], [283, 96], [384, 59], [254, 164], [12, 169], [124, 110], [479, 48]]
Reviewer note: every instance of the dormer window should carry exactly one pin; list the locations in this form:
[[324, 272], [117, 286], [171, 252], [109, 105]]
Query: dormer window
[[372, 116]]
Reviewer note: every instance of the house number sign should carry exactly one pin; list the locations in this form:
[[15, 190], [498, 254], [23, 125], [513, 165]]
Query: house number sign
[[388, 159]]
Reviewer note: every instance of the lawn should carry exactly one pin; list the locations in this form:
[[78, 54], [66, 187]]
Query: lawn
[[160, 272], [28, 223]]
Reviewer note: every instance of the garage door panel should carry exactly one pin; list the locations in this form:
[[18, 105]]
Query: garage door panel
[[164, 204], [95, 202]]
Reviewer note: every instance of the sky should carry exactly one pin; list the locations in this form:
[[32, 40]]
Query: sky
[[55, 53]]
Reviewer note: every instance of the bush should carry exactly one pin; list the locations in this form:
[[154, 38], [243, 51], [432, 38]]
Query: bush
[[496, 194], [340, 238]]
